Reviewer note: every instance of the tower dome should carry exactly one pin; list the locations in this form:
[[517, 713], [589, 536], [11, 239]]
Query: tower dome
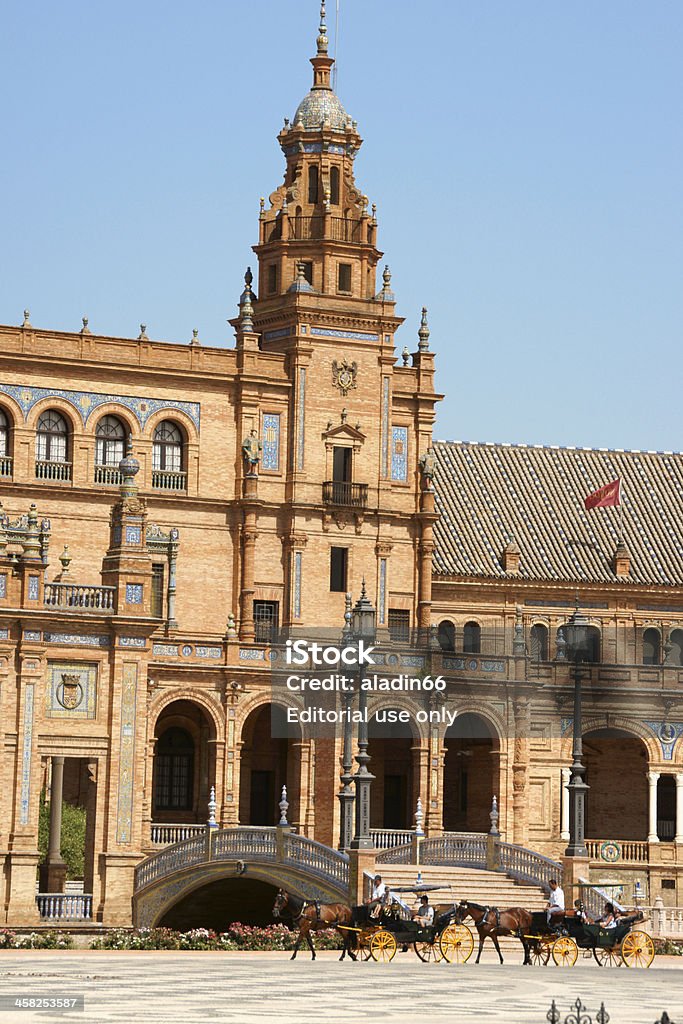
[[321, 105]]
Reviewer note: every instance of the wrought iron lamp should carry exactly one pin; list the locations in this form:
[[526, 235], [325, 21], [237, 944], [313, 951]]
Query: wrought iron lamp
[[577, 634], [363, 627]]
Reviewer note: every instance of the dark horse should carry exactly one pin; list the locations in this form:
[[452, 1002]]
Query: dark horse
[[491, 922], [311, 916]]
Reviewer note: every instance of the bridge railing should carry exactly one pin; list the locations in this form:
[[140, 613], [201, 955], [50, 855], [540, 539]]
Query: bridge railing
[[526, 865], [461, 849], [250, 841], [316, 857], [387, 838], [173, 858]]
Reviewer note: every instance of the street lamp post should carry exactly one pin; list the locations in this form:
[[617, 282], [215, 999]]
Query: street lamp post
[[346, 795], [577, 636], [363, 628]]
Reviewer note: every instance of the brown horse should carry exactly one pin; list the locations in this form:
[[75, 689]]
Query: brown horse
[[491, 922], [312, 916]]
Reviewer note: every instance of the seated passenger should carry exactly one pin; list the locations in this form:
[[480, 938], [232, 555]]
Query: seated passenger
[[424, 915], [608, 918], [580, 914]]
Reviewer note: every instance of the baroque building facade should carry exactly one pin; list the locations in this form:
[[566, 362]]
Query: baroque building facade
[[169, 510]]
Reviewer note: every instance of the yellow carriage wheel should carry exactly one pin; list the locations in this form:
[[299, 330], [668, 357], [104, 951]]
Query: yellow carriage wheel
[[539, 951], [637, 949], [456, 943], [428, 952], [609, 956], [565, 951], [364, 946], [382, 946]]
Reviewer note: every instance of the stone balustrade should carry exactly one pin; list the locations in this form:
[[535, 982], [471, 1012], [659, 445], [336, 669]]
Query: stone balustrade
[[82, 598], [163, 834], [62, 906]]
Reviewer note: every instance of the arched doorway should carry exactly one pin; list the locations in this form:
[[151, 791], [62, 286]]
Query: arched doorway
[[266, 765], [222, 903], [470, 778], [616, 770], [390, 748], [184, 764]]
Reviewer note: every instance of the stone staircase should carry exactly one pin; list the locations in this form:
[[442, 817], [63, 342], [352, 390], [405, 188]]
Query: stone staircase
[[491, 888]]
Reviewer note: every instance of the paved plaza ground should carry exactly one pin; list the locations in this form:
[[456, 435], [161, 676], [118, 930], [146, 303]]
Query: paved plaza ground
[[255, 988]]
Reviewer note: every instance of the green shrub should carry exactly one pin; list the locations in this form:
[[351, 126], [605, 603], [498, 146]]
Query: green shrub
[[44, 940], [73, 836], [238, 936]]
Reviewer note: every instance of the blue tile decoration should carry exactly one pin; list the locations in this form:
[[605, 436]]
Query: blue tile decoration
[[385, 427], [270, 458], [186, 650], [282, 332], [251, 654], [209, 652], [78, 639], [87, 402], [133, 593], [132, 641], [413, 661], [165, 650], [399, 453], [32, 636], [3, 584], [133, 535], [26, 754], [4, 634], [382, 591], [493, 666], [329, 332], [124, 816], [298, 561], [667, 733], [566, 724], [74, 696], [33, 588], [302, 418]]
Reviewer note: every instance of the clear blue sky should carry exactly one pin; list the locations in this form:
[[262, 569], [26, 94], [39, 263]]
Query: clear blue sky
[[526, 160]]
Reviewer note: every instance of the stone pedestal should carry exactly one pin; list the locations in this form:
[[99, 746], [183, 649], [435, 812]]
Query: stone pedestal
[[360, 861], [117, 877], [22, 910], [573, 869]]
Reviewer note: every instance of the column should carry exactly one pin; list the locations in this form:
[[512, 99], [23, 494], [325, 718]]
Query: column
[[678, 838], [520, 766], [652, 780], [564, 804], [53, 872]]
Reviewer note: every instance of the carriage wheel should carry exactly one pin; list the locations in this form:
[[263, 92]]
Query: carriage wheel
[[539, 953], [364, 946], [609, 956], [382, 946], [456, 943], [565, 951], [428, 952], [638, 949]]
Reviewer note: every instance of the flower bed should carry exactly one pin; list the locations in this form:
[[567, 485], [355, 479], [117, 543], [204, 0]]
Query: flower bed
[[668, 947], [36, 940], [237, 937]]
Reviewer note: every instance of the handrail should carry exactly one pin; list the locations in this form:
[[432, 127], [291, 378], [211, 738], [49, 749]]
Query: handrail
[[166, 833], [74, 595], [526, 865], [52, 470]]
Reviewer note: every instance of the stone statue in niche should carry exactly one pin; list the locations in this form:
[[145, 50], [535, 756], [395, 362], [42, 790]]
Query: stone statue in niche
[[251, 450], [428, 467]]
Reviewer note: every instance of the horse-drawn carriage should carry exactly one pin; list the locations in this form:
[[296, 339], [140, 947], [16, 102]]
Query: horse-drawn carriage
[[621, 944], [378, 938]]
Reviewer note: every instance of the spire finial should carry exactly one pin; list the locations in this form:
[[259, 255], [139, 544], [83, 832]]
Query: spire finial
[[423, 333], [323, 41], [27, 322]]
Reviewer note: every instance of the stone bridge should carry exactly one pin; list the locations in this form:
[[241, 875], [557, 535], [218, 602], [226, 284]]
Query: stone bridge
[[268, 854]]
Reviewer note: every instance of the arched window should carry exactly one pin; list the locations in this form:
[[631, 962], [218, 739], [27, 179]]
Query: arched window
[[539, 642], [334, 186], [446, 636], [52, 437], [5, 461], [167, 453], [675, 654], [109, 444], [174, 771], [472, 638], [651, 647], [313, 184]]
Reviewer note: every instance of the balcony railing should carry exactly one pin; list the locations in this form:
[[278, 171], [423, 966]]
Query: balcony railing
[[167, 835], [107, 475], [388, 838], [337, 492], [340, 229], [5, 465], [72, 595], [62, 906], [53, 470], [167, 480]]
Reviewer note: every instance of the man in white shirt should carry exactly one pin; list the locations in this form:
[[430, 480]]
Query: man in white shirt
[[555, 905], [379, 890]]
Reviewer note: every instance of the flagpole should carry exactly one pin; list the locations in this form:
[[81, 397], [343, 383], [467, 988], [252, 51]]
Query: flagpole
[[621, 513]]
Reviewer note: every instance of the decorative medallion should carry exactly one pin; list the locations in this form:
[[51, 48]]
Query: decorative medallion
[[610, 851], [344, 376], [69, 691]]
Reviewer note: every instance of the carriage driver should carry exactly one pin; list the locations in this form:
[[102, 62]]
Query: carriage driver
[[375, 901], [555, 905]]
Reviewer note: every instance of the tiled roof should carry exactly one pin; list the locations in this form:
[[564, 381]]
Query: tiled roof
[[488, 494]]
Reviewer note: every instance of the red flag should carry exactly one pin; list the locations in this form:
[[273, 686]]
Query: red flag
[[605, 497]]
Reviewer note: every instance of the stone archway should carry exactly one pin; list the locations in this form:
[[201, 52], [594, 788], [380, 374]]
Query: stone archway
[[267, 763], [184, 766], [616, 764], [394, 794], [470, 774]]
